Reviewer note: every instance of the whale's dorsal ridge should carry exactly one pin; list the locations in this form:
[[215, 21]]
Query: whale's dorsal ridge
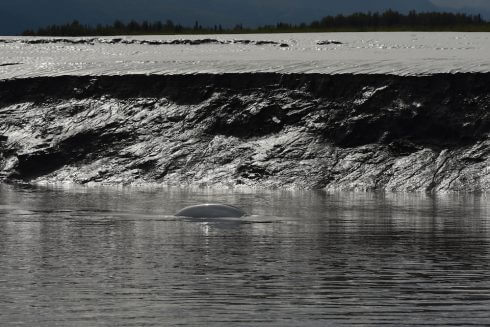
[[211, 210]]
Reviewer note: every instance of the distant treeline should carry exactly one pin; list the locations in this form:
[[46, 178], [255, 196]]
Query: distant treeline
[[387, 21]]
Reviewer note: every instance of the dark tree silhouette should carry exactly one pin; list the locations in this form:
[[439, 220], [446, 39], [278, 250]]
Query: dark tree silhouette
[[387, 21]]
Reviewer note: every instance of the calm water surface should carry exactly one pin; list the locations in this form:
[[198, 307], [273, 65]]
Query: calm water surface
[[117, 257]]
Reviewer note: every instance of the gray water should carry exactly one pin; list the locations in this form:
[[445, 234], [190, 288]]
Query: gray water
[[118, 257]]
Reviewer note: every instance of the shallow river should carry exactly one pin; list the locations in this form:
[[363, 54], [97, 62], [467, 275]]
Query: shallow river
[[118, 257]]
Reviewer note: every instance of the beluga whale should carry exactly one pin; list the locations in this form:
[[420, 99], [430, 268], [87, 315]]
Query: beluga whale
[[210, 210]]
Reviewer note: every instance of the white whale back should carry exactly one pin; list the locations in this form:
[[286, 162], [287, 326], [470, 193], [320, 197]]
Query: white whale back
[[211, 211]]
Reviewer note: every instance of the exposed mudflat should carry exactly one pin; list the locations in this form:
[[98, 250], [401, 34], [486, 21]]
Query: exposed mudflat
[[408, 53], [347, 131], [353, 111]]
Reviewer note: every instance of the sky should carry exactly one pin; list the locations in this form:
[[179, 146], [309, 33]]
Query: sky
[[18, 15]]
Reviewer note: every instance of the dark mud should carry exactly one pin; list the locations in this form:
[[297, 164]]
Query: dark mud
[[349, 132], [328, 42], [94, 41]]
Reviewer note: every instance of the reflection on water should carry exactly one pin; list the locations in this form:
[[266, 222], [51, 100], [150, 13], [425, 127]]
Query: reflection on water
[[95, 256]]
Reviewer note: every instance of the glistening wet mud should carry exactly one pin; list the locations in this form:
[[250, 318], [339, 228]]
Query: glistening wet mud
[[349, 132]]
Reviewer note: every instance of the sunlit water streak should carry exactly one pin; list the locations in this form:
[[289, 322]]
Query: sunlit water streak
[[108, 256]]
